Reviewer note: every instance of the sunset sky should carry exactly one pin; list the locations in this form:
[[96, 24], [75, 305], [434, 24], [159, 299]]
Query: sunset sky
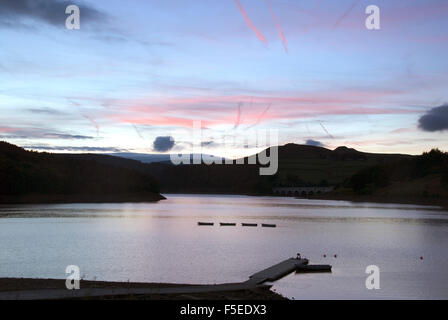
[[138, 70]]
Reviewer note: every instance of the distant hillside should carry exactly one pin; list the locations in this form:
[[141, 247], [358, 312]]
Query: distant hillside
[[421, 176], [299, 165], [27, 176], [142, 157], [147, 157], [351, 172], [215, 178], [310, 165]]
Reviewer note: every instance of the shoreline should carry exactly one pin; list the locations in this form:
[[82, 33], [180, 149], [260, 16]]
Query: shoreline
[[80, 198], [382, 199], [153, 197], [343, 197], [24, 288]]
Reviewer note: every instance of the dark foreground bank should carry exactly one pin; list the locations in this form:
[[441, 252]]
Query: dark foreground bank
[[20, 288]]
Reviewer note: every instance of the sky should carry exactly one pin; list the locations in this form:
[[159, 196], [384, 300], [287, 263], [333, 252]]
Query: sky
[[137, 72]]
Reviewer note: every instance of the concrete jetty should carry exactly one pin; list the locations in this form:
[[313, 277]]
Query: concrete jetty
[[277, 271], [314, 268]]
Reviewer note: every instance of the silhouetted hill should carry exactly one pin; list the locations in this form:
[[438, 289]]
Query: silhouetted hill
[[299, 165], [299, 151], [425, 175], [215, 178], [311, 165], [25, 172], [27, 176]]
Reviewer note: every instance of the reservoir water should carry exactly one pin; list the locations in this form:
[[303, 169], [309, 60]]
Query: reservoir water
[[161, 242]]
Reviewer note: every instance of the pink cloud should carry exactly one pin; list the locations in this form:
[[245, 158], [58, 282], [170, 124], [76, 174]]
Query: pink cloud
[[220, 109], [300, 20], [8, 129]]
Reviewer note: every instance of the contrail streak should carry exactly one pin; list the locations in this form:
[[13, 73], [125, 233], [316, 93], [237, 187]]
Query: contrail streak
[[249, 22], [260, 117], [138, 131], [238, 117], [346, 13], [95, 124], [280, 31], [325, 129]]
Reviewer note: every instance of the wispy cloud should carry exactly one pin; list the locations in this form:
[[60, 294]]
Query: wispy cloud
[[38, 133], [74, 148], [49, 111], [216, 109]]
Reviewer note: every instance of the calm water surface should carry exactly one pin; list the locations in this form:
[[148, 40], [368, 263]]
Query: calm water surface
[[161, 242]]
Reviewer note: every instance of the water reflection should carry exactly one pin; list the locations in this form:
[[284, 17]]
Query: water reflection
[[161, 242]]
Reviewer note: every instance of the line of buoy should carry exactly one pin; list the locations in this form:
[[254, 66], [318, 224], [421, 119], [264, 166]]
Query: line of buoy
[[325, 255], [249, 224], [266, 225], [205, 223]]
